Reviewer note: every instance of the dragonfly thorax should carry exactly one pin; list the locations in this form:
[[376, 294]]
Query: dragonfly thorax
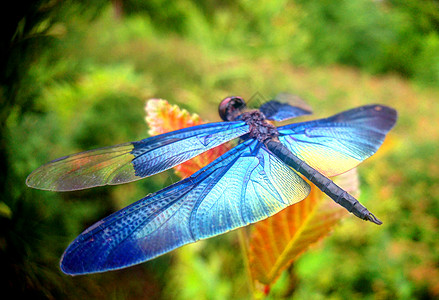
[[232, 109], [260, 128]]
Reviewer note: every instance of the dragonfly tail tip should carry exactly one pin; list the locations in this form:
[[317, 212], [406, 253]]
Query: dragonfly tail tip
[[373, 219]]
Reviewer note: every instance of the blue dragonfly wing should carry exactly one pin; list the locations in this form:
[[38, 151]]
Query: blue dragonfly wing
[[132, 161], [285, 106], [339, 143], [243, 186]]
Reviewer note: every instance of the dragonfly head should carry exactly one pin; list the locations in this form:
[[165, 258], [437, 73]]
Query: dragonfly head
[[231, 107]]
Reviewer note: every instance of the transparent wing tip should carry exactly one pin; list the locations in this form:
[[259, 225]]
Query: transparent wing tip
[[33, 181], [294, 100]]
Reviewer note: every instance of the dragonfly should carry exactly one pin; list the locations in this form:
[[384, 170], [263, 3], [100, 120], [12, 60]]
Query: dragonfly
[[257, 178]]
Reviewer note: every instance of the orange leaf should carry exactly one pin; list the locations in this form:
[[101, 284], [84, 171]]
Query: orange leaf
[[279, 240], [163, 117]]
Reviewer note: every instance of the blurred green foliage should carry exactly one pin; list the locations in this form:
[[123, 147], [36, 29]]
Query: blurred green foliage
[[391, 36], [75, 75]]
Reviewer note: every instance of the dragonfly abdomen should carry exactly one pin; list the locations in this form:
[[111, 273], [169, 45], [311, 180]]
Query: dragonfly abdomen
[[325, 184]]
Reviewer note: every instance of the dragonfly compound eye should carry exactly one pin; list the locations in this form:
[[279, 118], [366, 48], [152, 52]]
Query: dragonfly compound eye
[[231, 107]]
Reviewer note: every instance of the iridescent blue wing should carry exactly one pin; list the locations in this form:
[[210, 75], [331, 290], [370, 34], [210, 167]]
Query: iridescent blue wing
[[339, 143], [284, 107], [243, 186], [132, 161]]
